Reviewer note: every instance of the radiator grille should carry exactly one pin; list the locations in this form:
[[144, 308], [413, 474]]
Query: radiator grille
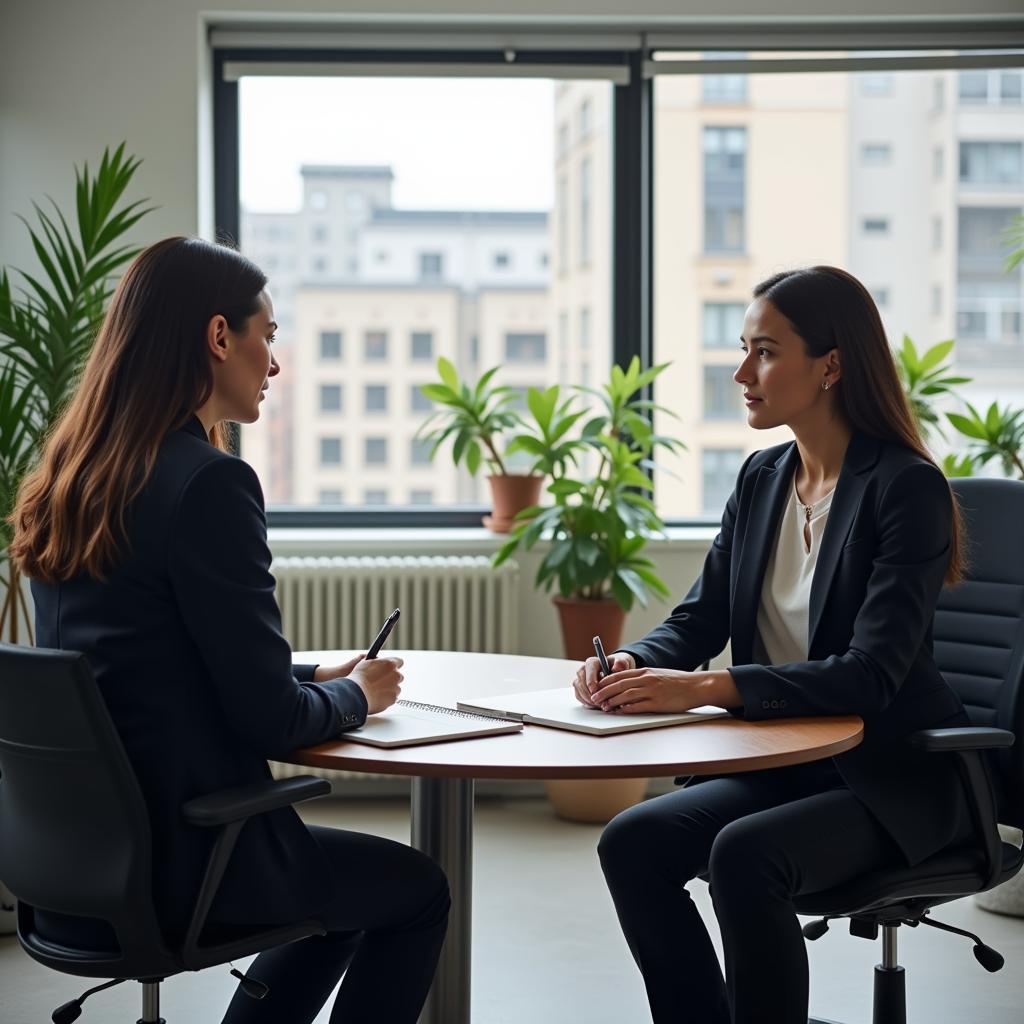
[[449, 603]]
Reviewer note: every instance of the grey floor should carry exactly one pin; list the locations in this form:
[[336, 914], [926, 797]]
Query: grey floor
[[547, 949]]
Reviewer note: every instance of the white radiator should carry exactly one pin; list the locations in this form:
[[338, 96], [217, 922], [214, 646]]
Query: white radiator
[[449, 603]]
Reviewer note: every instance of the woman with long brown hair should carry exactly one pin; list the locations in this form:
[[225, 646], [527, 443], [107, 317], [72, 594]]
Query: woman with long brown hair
[[146, 544], [824, 578]]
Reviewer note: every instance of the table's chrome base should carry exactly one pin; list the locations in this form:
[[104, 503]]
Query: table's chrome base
[[442, 827]]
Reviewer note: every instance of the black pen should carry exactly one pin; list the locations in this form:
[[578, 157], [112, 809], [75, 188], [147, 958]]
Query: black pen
[[606, 669], [385, 630]]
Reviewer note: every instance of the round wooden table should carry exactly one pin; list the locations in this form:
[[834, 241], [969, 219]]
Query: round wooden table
[[443, 773]]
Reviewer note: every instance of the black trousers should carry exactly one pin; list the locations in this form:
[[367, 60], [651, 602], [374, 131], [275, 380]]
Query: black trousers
[[385, 927], [765, 838]]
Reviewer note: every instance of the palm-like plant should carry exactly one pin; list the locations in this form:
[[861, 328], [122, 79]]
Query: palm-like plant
[[598, 525], [48, 325], [999, 434], [924, 377]]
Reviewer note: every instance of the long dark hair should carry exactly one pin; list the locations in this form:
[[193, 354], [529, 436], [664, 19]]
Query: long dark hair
[[147, 374], [830, 308]]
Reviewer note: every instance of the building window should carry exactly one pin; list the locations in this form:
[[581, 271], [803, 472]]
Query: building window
[[939, 95], [936, 233], [375, 496], [586, 119], [938, 163], [418, 402], [330, 344], [991, 163], [421, 345], [320, 265], [723, 324], [563, 139], [319, 232], [421, 496], [502, 261], [724, 88], [525, 347], [719, 469], [880, 295], [330, 496], [725, 160], [375, 345], [562, 190], [543, 259], [318, 200], [584, 329], [381, 256], [375, 398], [375, 451], [876, 85], [875, 154], [936, 300], [995, 86], [585, 183], [431, 266], [330, 451], [419, 451], [722, 395], [875, 226], [330, 398]]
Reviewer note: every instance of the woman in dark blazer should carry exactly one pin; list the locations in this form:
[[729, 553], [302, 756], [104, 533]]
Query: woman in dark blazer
[[824, 576], [146, 543]]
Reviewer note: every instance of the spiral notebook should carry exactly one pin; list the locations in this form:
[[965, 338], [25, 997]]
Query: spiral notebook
[[408, 723]]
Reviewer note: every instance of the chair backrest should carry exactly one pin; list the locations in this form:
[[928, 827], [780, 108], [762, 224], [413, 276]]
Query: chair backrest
[[979, 626], [74, 832]]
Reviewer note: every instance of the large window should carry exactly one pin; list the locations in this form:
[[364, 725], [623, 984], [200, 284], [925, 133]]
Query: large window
[[434, 203], [725, 177]]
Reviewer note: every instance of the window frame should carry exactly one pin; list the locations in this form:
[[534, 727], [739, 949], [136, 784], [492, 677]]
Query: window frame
[[632, 191]]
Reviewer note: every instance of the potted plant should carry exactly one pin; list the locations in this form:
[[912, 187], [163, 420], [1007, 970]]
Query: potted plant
[[47, 328], [597, 526], [475, 417]]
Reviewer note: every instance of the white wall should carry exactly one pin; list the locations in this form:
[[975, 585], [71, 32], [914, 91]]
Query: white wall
[[79, 74]]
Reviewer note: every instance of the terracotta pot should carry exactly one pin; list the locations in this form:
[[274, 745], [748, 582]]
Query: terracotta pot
[[595, 801], [509, 495], [583, 620]]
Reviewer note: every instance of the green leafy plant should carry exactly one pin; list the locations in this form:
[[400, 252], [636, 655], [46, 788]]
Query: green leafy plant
[[49, 323], [925, 376], [954, 465], [549, 444], [999, 434], [1013, 236], [473, 416], [598, 525]]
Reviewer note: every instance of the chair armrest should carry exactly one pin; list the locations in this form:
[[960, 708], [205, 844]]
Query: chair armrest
[[230, 809], [968, 745], [227, 805], [946, 740]]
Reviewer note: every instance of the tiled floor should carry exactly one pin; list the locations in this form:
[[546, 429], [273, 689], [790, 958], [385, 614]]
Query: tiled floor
[[547, 949]]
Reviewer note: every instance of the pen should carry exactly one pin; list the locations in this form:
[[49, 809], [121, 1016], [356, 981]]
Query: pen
[[385, 630], [606, 669]]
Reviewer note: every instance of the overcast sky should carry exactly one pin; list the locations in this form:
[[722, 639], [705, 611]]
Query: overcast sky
[[452, 143]]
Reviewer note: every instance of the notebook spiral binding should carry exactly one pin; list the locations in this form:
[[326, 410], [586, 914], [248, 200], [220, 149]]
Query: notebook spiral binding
[[445, 711]]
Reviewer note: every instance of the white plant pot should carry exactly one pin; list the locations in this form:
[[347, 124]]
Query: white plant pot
[[1007, 898]]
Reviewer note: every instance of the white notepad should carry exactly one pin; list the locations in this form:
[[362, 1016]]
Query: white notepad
[[407, 723], [559, 709]]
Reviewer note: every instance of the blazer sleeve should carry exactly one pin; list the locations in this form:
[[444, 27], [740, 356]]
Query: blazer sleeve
[[698, 627], [912, 552], [219, 567]]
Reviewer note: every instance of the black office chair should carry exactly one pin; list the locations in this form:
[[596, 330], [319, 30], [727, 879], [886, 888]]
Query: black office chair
[[75, 838], [979, 646]]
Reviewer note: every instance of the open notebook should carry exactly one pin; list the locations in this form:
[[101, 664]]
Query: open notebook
[[560, 710], [407, 723]]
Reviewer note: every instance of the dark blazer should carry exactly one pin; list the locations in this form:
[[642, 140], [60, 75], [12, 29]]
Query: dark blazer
[[184, 638], [883, 556]]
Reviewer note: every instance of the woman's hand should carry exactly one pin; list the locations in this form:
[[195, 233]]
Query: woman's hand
[[380, 681], [588, 675], [323, 673], [647, 690]]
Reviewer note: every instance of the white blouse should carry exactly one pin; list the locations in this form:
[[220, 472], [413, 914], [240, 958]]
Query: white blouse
[[782, 616]]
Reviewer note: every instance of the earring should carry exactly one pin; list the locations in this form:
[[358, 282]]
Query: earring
[[824, 385]]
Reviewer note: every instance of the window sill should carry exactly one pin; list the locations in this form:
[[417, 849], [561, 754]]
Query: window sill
[[321, 541]]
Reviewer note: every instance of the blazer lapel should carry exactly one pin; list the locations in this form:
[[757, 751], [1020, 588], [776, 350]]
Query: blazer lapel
[[861, 455], [772, 486]]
